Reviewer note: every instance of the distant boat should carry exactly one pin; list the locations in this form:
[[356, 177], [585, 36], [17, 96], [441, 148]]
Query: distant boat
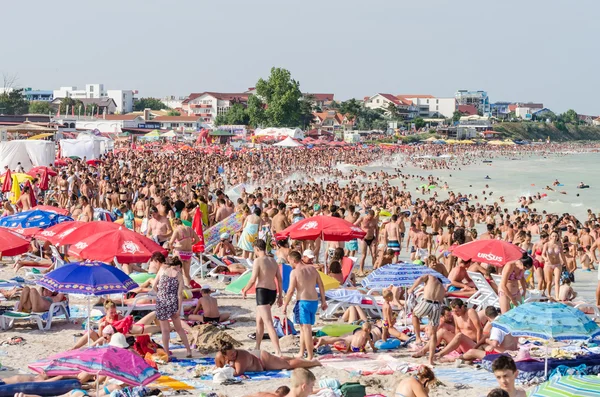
[[487, 161]]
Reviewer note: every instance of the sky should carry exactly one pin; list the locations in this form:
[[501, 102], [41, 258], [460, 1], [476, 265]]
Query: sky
[[516, 50]]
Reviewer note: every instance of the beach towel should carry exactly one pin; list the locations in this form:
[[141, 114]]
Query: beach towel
[[166, 382], [365, 363], [466, 376], [351, 296]]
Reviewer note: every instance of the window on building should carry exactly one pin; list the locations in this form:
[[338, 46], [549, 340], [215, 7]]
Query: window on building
[[437, 107], [91, 88], [188, 125], [428, 101], [437, 101], [377, 100]]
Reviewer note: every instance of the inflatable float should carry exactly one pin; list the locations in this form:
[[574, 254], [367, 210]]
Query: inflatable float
[[40, 388], [582, 186], [391, 343], [339, 329]]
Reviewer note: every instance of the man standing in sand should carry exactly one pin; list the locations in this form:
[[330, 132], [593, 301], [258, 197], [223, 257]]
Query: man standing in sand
[[422, 243], [369, 225], [303, 280], [280, 221], [267, 277], [392, 236], [430, 307]]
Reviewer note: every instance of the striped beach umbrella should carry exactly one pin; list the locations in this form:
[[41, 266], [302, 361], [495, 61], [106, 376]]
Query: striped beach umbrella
[[568, 386], [399, 275]]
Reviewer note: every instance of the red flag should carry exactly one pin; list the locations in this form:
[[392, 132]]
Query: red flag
[[7, 184], [73, 111], [197, 226], [44, 181]]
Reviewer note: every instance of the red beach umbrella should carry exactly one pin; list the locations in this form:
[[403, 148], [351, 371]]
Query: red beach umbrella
[[7, 184], [44, 183], [123, 244], [493, 252], [55, 234], [80, 231], [328, 228], [12, 243], [41, 170]]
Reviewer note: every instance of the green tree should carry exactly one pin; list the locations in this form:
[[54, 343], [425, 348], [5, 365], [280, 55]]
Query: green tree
[[173, 113], [306, 113], [456, 116], [419, 123], [570, 117], [351, 107], [392, 111], [13, 102], [149, 103], [277, 100], [236, 115], [40, 107]]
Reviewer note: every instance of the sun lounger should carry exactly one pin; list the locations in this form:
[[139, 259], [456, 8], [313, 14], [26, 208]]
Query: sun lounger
[[348, 264], [341, 298], [43, 320], [148, 307], [485, 295]]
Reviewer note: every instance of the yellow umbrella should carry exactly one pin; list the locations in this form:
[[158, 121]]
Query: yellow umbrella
[[467, 142], [15, 191], [329, 282], [40, 136], [20, 177]]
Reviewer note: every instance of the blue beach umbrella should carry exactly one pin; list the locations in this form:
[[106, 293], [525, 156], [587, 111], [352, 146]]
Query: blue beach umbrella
[[568, 386], [33, 219], [399, 275]]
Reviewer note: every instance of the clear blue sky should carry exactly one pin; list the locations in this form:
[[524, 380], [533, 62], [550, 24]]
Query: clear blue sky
[[517, 50]]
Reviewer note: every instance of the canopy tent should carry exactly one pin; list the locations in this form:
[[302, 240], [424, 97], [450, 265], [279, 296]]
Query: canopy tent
[[28, 126], [88, 148], [170, 134], [106, 144], [29, 153], [221, 133], [280, 132], [288, 142], [430, 139]]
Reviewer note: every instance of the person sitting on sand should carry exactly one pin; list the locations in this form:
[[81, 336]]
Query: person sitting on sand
[[417, 385], [389, 320], [281, 391], [461, 283], [34, 301], [494, 340], [210, 308], [505, 371], [259, 360], [355, 342], [468, 326]]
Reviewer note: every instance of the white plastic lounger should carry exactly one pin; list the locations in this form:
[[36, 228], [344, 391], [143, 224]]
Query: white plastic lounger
[[43, 320], [343, 298]]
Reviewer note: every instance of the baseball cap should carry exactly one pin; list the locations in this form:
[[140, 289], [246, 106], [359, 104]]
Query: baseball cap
[[309, 254]]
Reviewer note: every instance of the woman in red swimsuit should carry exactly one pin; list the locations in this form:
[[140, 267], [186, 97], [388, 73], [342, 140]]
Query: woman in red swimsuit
[[538, 261]]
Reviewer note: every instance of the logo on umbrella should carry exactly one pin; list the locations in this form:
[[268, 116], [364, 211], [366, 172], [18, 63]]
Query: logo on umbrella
[[48, 233], [309, 225], [21, 230], [66, 233], [489, 257], [130, 247], [81, 245], [356, 229]]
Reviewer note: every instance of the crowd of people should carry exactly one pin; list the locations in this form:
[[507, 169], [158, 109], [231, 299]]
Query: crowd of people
[[158, 194]]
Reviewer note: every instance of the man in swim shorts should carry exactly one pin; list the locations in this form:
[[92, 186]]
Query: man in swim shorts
[[423, 243], [303, 280], [267, 277], [392, 235]]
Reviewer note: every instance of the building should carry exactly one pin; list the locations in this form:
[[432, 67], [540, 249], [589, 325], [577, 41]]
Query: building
[[471, 126], [101, 106], [500, 109], [332, 121], [523, 113], [208, 105], [430, 106], [173, 102], [180, 123], [404, 107], [90, 91], [38, 95], [467, 110], [479, 99], [110, 123], [321, 101], [543, 113], [596, 121], [123, 99]]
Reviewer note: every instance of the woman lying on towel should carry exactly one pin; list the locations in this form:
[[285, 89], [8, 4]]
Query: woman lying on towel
[[124, 325]]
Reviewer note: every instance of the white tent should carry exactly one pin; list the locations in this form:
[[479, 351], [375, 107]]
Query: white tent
[[170, 134], [288, 142], [29, 153], [106, 144], [88, 148], [295, 133]]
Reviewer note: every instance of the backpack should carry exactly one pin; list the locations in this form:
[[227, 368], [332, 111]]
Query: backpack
[[353, 389]]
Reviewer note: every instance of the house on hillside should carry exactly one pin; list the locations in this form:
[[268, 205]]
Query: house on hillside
[[321, 101], [332, 121], [208, 105], [404, 107]]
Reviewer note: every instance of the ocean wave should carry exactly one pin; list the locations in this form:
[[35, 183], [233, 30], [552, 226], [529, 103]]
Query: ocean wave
[[555, 202], [576, 204]]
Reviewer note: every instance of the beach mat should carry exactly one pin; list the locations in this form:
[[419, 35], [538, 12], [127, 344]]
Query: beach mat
[[466, 376], [192, 362], [166, 382], [365, 363]]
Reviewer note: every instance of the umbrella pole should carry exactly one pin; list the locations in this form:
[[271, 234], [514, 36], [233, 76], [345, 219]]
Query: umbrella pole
[[88, 320], [546, 363], [201, 267]]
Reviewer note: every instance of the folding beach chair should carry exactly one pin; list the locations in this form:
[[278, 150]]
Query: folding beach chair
[[348, 264], [485, 295]]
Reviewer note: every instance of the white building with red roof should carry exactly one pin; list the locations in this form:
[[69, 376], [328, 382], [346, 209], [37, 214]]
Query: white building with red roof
[[208, 105], [382, 101]]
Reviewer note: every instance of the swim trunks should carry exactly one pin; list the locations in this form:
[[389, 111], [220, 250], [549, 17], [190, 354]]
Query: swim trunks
[[422, 253], [429, 309], [351, 245], [265, 296], [211, 319], [305, 312], [394, 245], [452, 288]]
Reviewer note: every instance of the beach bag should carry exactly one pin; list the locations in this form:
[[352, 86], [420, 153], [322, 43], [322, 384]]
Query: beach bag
[[285, 328], [353, 389]]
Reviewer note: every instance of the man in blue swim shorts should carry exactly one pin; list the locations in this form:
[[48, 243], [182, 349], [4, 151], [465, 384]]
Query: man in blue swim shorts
[[304, 281]]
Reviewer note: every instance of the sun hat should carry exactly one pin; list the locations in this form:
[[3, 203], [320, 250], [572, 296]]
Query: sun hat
[[119, 340], [309, 254], [224, 236], [108, 330], [524, 355]]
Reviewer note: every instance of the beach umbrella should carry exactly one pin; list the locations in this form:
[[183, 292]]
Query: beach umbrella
[[568, 386], [15, 190], [548, 321], [328, 281], [399, 275], [7, 182], [493, 252], [33, 219], [100, 214], [12, 243], [60, 162], [113, 362], [55, 234], [19, 176], [44, 183], [328, 228], [94, 162], [50, 208], [40, 170], [121, 244]]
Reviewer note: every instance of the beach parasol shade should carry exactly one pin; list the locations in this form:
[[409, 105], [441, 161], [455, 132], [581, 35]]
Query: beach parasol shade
[[20, 177], [75, 157], [568, 386], [33, 219], [493, 252], [399, 275], [123, 244], [55, 234], [40, 170], [88, 278], [50, 208], [328, 228], [113, 362], [7, 182], [12, 243], [550, 321], [61, 162], [44, 183]]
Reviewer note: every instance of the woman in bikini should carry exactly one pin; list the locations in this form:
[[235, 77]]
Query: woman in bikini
[[416, 385], [182, 241], [513, 285], [538, 261], [554, 258]]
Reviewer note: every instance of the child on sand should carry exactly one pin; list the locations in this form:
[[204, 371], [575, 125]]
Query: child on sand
[[505, 371], [355, 343], [389, 320], [210, 309]]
